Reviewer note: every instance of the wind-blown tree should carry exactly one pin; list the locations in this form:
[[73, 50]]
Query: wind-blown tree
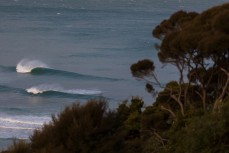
[[198, 45]]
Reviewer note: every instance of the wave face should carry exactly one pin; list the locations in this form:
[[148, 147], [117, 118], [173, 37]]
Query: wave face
[[11, 89], [7, 68], [37, 67], [53, 90], [26, 65], [40, 89], [19, 126], [54, 72]]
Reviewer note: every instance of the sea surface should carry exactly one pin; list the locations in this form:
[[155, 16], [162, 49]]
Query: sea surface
[[57, 52]]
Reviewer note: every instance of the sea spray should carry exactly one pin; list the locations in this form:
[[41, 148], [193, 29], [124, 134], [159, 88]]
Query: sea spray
[[26, 65]]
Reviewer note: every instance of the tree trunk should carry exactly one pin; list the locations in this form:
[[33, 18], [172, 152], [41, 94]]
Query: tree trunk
[[220, 98], [170, 111], [204, 98], [180, 104]]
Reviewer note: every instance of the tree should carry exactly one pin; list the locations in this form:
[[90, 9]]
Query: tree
[[131, 114], [144, 69], [197, 44], [81, 128]]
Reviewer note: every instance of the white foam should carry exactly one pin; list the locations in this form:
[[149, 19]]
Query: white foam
[[10, 120], [16, 128], [20, 126], [44, 88], [83, 92], [34, 90], [26, 65]]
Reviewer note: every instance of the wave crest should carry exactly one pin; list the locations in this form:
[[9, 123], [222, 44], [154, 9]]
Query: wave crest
[[26, 65], [56, 88], [37, 67]]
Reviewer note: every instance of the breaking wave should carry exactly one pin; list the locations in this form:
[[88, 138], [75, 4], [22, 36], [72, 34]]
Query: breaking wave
[[42, 89], [53, 90], [26, 65], [36, 67]]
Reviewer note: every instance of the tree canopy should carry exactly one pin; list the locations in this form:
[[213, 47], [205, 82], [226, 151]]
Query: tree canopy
[[198, 45]]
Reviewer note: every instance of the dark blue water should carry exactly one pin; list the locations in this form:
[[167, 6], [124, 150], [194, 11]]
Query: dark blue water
[[56, 52]]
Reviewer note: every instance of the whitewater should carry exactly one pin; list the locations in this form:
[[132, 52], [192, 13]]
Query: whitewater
[[54, 53], [57, 88], [29, 66], [26, 65]]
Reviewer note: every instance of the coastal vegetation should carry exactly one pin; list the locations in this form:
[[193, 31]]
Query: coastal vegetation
[[190, 114]]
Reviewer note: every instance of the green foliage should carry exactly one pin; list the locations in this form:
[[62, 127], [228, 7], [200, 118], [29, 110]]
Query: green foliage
[[204, 134], [197, 44], [142, 68], [177, 20], [219, 23], [91, 128], [88, 128], [149, 88], [77, 129], [132, 119], [155, 118], [19, 146], [136, 105]]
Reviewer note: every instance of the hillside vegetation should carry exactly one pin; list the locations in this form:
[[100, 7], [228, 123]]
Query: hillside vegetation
[[190, 115]]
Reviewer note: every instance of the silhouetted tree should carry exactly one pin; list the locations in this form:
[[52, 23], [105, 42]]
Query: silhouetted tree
[[197, 44]]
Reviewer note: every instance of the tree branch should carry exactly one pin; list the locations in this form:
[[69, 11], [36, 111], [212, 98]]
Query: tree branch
[[220, 98], [170, 111]]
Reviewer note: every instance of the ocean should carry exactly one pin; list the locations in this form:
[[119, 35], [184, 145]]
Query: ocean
[[57, 52]]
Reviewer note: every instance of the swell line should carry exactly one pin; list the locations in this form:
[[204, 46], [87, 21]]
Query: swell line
[[17, 128], [37, 67], [55, 72], [8, 68], [53, 91], [4, 88], [18, 121]]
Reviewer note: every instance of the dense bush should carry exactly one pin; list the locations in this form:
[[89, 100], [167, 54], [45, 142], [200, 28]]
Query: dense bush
[[92, 128], [88, 128]]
